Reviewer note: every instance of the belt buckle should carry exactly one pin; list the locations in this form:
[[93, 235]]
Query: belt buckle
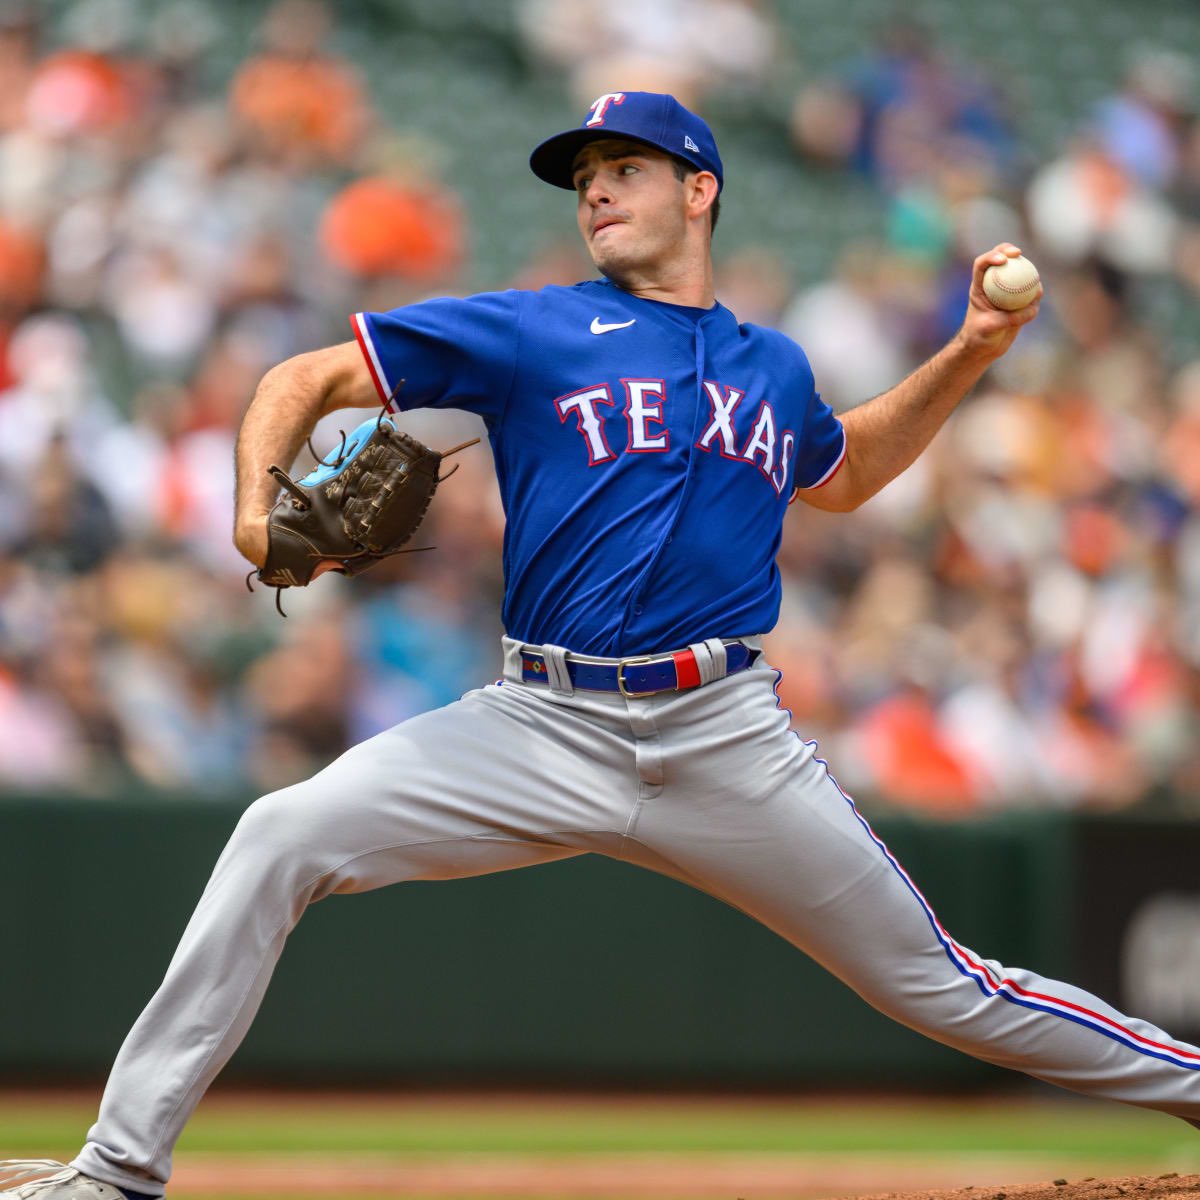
[[625, 662]]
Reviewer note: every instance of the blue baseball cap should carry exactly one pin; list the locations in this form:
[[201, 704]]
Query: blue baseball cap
[[650, 117]]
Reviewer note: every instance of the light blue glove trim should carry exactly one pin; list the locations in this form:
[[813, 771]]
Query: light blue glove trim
[[354, 443]]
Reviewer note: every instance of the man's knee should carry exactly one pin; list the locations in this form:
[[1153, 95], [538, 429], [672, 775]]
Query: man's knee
[[938, 1001], [954, 1010], [294, 825]]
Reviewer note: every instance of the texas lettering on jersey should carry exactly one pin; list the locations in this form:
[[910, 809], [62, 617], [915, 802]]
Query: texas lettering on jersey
[[647, 432], [645, 454]]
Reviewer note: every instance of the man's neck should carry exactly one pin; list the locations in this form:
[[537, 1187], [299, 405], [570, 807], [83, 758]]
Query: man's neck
[[698, 296], [690, 284]]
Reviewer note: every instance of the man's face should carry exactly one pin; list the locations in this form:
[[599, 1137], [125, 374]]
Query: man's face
[[631, 207]]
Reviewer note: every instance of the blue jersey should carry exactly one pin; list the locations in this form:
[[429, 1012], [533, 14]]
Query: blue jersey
[[646, 453]]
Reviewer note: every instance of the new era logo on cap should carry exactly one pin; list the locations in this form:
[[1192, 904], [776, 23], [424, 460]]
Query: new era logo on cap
[[653, 118]]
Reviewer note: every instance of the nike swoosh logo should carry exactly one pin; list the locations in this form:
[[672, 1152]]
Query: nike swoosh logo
[[598, 326]]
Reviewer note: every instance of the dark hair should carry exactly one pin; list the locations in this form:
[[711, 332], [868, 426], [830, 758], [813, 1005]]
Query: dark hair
[[683, 169]]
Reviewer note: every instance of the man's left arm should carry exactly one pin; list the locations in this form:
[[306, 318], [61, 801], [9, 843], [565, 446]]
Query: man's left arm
[[885, 435]]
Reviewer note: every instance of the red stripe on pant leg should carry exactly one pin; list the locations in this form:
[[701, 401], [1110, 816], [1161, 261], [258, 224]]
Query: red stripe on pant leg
[[686, 670]]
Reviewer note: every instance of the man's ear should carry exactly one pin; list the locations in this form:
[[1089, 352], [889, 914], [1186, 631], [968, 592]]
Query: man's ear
[[701, 192]]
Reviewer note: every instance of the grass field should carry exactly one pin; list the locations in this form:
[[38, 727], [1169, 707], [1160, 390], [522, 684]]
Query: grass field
[[274, 1143]]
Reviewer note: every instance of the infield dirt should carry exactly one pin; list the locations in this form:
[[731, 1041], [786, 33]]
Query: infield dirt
[[1160, 1187]]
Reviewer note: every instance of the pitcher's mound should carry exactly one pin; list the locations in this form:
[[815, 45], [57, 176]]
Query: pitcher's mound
[[1146, 1187]]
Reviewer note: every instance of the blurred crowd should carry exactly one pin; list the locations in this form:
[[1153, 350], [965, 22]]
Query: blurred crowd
[[1015, 621], [163, 242]]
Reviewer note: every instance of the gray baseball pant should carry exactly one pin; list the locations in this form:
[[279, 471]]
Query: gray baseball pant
[[708, 786]]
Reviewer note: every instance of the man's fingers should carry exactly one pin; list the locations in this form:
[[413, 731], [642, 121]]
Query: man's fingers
[[995, 257], [1003, 252], [1017, 316], [328, 564]]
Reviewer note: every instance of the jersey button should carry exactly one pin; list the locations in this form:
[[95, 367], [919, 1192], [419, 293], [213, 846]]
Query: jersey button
[[637, 610]]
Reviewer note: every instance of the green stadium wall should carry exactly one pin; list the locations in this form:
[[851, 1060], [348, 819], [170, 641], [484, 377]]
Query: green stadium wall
[[586, 972]]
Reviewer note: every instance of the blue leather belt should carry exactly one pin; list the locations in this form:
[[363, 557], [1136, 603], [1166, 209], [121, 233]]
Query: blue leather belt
[[644, 675]]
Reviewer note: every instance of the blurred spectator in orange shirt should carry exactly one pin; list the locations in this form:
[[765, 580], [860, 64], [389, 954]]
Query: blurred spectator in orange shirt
[[909, 758], [381, 226], [298, 104], [78, 91], [22, 263]]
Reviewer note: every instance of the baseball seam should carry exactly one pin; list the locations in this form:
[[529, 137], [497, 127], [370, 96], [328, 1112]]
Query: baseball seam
[[1015, 290]]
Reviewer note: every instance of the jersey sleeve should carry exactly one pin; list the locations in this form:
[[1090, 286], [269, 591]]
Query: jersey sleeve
[[451, 353], [822, 447]]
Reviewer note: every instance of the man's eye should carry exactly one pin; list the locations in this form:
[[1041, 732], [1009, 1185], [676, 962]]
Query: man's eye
[[627, 167], [582, 182]]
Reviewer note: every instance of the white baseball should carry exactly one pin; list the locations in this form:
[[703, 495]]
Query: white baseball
[[1011, 285]]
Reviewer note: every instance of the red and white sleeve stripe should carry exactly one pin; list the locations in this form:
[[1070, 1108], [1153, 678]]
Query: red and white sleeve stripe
[[362, 335]]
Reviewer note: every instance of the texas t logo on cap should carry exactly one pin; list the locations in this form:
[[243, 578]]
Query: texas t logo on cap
[[653, 118], [600, 104]]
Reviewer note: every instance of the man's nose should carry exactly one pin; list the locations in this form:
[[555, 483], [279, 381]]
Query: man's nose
[[598, 192]]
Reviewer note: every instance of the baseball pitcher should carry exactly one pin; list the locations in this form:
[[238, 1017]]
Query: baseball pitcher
[[647, 446]]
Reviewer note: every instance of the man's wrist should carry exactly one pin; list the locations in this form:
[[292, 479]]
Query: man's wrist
[[971, 352], [252, 539], [250, 520]]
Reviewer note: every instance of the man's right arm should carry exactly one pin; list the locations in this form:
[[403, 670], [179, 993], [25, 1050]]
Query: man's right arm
[[288, 403]]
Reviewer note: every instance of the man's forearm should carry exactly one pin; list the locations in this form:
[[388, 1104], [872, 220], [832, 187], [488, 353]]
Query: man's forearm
[[290, 400], [286, 406], [885, 435]]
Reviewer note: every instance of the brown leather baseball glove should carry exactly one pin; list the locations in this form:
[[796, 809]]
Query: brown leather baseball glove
[[348, 514]]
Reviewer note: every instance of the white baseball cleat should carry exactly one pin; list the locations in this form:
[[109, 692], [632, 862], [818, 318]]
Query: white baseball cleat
[[49, 1180]]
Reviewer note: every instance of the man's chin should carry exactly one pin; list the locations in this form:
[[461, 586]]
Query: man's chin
[[613, 267], [612, 274]]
